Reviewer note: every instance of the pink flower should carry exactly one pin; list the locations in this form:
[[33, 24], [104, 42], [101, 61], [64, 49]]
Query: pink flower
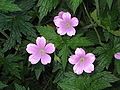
[[40, 51], [65, 24], [117, 55], [82, 61]]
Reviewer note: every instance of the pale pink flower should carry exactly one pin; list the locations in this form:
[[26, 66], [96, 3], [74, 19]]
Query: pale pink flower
[[117, 55], [82, 61], [40, 51], [65, 24]]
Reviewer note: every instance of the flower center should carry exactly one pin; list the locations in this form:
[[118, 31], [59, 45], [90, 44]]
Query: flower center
[[68, 25], [42, 51], [82, 59]]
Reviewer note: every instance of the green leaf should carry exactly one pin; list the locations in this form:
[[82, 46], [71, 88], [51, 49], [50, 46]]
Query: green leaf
[[64, 52], [12, 65], [49, 33], [79, 41], [116, 44], [109, 2], [105, 57], [18, 26], [46, 6], [117, 66], [38, 69], [99, 85], [19, 87], [102, 80], [73, 4], [97, 81], [7, 5], [2, 85], [99, 50], [72, 82], [116, 33], [104, 75], [3, 21], [95, 17], [26, 4]]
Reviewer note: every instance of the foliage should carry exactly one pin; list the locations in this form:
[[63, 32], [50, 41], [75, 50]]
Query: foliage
[[98, 32], [96, 82]]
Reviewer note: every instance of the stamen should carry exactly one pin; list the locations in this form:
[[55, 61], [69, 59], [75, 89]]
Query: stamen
[[82, 59], [67, 24], [42, 51]]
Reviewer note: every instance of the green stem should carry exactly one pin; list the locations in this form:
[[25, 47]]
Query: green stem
[[97, 7], [99, 39], [4, 34]]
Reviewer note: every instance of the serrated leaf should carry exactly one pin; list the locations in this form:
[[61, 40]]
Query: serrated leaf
[[6, 5], [105, 56], [79, 41], [95, 17], [2, 85], [58, 76], [19, 87], [99, 50], [64, 52], [56, 67], [71, 82], [17, 26], [3, 21], [99, 85], [102, 80], [97, 81], [49, 33], [73, 4], [26, 4], [46, 6], [12, 65], [104, 76], [38, 69], [104, 60]]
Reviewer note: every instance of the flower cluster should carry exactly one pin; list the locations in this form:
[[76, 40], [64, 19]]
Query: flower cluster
[[40, 51]]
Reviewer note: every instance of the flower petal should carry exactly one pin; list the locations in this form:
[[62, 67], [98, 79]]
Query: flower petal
[[74, 21], [60, 14], [66, 16], [45, 59], [58, 21], [41, 41], [90, 58], [31, 48], [34, 58], [61, 31], [56, 17], [78, 68], [71, 31], [89, 68], [80, 51], [117, 55], [49, 48], [73, 59]]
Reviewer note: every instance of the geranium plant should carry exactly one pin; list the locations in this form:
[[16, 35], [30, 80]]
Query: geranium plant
[[59, 44]]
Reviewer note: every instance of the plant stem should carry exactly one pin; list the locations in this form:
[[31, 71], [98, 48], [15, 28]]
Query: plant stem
[[99, 39], [4, 34], [97, 7]]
